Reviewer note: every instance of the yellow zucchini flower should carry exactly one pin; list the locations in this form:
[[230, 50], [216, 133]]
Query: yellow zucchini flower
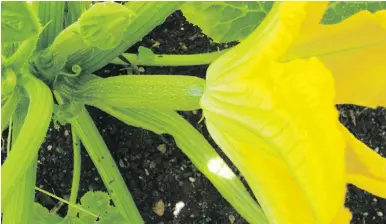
[[276, 120]]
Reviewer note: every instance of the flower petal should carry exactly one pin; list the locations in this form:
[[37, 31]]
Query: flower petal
[[318, 9], [279, 126], [354, 51], [344, 216], [365, 168]]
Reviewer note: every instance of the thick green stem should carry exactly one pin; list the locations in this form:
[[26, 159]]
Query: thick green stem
[[19, 209], [108, 170], [170, 59], [31, 136], [170, 92], [199, 151], [75, 173]]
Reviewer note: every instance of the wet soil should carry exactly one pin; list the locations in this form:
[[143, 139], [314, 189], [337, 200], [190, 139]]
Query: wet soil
[[152, 174]]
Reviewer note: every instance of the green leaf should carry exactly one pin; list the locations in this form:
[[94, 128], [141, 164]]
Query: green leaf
[[98, 202], [104, 24], [226, 21], [338, 11], [43, 216], [17, 21], [145, 54]]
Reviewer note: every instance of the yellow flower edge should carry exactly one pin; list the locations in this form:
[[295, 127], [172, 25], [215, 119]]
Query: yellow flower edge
[[365, 168], [354, 50]]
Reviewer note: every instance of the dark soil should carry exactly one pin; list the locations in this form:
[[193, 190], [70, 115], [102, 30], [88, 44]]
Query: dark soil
[[152, 175]]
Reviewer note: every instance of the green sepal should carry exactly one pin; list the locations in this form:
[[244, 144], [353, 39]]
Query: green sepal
[[47, 64], [104, 24]]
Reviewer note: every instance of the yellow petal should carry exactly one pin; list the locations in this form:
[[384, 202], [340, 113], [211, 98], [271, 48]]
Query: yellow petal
[[365, 168], [344, 216], [279, 126], [354, 51], [318, 9]]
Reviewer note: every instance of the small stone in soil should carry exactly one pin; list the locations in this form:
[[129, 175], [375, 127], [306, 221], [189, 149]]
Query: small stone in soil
[[232, 219], [122, 164], [159, 208], [178, 207], [161, 148], [152, 165]]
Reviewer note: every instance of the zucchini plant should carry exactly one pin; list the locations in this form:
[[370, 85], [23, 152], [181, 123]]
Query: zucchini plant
[[50, 51]]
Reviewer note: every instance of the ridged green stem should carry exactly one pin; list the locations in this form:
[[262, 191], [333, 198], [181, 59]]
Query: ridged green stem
[[31, 136], [75, 173], [174, 92], [105, 164], [199, 151], [20, 208], [170, 59]]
